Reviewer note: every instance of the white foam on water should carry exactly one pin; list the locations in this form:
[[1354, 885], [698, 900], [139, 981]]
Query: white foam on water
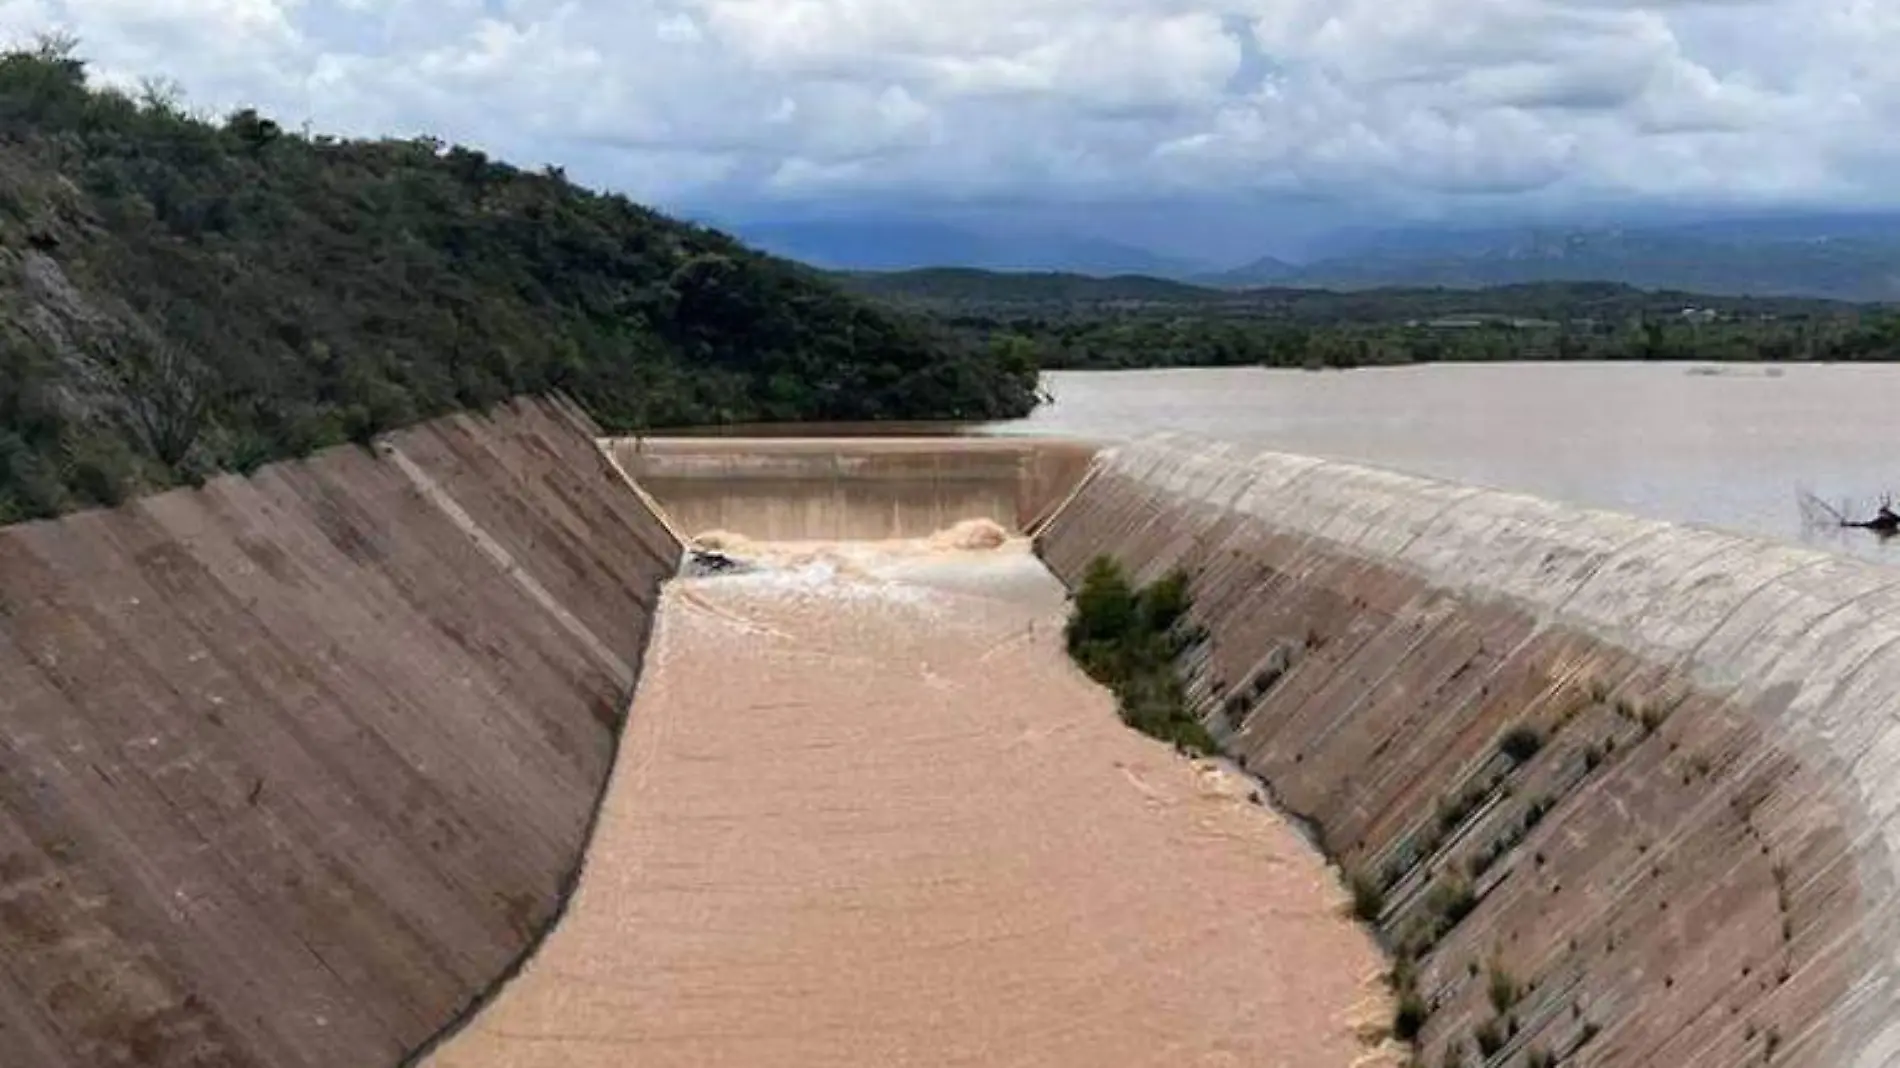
[[970, 535], [828, 578], [975, 555]]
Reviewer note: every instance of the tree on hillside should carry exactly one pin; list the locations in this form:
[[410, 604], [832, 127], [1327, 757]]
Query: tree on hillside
[[163, 393], [212, 295]]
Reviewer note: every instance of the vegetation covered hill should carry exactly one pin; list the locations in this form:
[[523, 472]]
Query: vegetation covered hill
[[180, 296], [956, 289], [1834, 255], [1072, 321]]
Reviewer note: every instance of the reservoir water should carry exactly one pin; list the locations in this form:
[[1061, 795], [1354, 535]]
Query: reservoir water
[[1728, 446]]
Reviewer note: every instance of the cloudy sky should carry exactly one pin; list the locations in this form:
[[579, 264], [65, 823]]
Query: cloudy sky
[[1400, 106]]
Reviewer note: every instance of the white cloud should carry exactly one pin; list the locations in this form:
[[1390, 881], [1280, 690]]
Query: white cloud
[[1395, 101]]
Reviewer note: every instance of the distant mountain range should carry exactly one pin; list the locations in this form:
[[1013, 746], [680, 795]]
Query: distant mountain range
[[966, 291], [1838, 257], [1740, 263], [904, 244], [975, 285], [1265, 271]]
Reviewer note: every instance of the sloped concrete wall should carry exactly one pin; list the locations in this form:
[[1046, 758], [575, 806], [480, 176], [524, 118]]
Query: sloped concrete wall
[[293, 767], [779, 489], [1645, 775]]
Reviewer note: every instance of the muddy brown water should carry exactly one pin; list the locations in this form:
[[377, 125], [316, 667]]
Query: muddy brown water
[[867, 813]]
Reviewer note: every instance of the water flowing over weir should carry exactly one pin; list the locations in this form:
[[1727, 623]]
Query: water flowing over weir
[[778, 489]]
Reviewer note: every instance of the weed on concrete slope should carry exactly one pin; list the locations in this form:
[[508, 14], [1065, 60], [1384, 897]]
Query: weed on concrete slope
[[1128, 640]]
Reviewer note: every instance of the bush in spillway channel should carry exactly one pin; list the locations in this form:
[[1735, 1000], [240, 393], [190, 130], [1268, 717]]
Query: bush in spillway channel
[[1128, 640]]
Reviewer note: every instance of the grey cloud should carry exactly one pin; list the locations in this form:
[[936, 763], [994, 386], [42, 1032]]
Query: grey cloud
[[1420, 103]]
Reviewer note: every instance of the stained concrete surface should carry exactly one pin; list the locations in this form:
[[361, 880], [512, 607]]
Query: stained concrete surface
[[867, 813], [1695, 868], [293, 767]]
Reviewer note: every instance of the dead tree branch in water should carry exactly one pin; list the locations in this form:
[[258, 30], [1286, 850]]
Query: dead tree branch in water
[[1816, 512]]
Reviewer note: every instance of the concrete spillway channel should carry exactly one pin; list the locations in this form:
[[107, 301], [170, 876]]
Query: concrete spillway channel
[[867, 813], [427, 751]]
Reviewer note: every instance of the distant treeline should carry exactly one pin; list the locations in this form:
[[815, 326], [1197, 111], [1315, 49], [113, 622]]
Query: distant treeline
[[181, 296], [1068, 321]]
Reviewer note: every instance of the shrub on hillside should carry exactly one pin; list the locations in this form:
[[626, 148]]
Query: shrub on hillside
[[182, 296]]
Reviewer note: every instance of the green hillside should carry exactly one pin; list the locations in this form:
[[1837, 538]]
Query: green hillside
[[179, 297], [954, 290]]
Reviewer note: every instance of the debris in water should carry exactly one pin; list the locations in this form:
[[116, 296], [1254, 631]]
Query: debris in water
[[702, 562], [1885, 522]]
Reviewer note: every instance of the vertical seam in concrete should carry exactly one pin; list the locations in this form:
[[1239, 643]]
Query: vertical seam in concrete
[[1371, 690], [659, 513], [1423, 528], [570, 882], [1695, 652], [1669, 591], [436, 495], [1562, 607], [1853, 764], [1040, 523]]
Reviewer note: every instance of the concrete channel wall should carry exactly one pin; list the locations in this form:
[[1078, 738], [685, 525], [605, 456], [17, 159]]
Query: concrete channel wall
[[1619, 792], [294, 767], [778, 489]]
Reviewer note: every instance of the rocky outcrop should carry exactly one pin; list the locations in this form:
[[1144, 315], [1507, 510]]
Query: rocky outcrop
[[293, 768], [1613, 791]]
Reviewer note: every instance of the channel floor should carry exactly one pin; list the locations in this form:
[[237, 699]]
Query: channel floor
[[866, 813]]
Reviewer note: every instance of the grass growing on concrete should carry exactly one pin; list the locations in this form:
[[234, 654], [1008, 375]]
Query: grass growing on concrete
[[1521, 743], [1368, 898], [1128, 640]]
